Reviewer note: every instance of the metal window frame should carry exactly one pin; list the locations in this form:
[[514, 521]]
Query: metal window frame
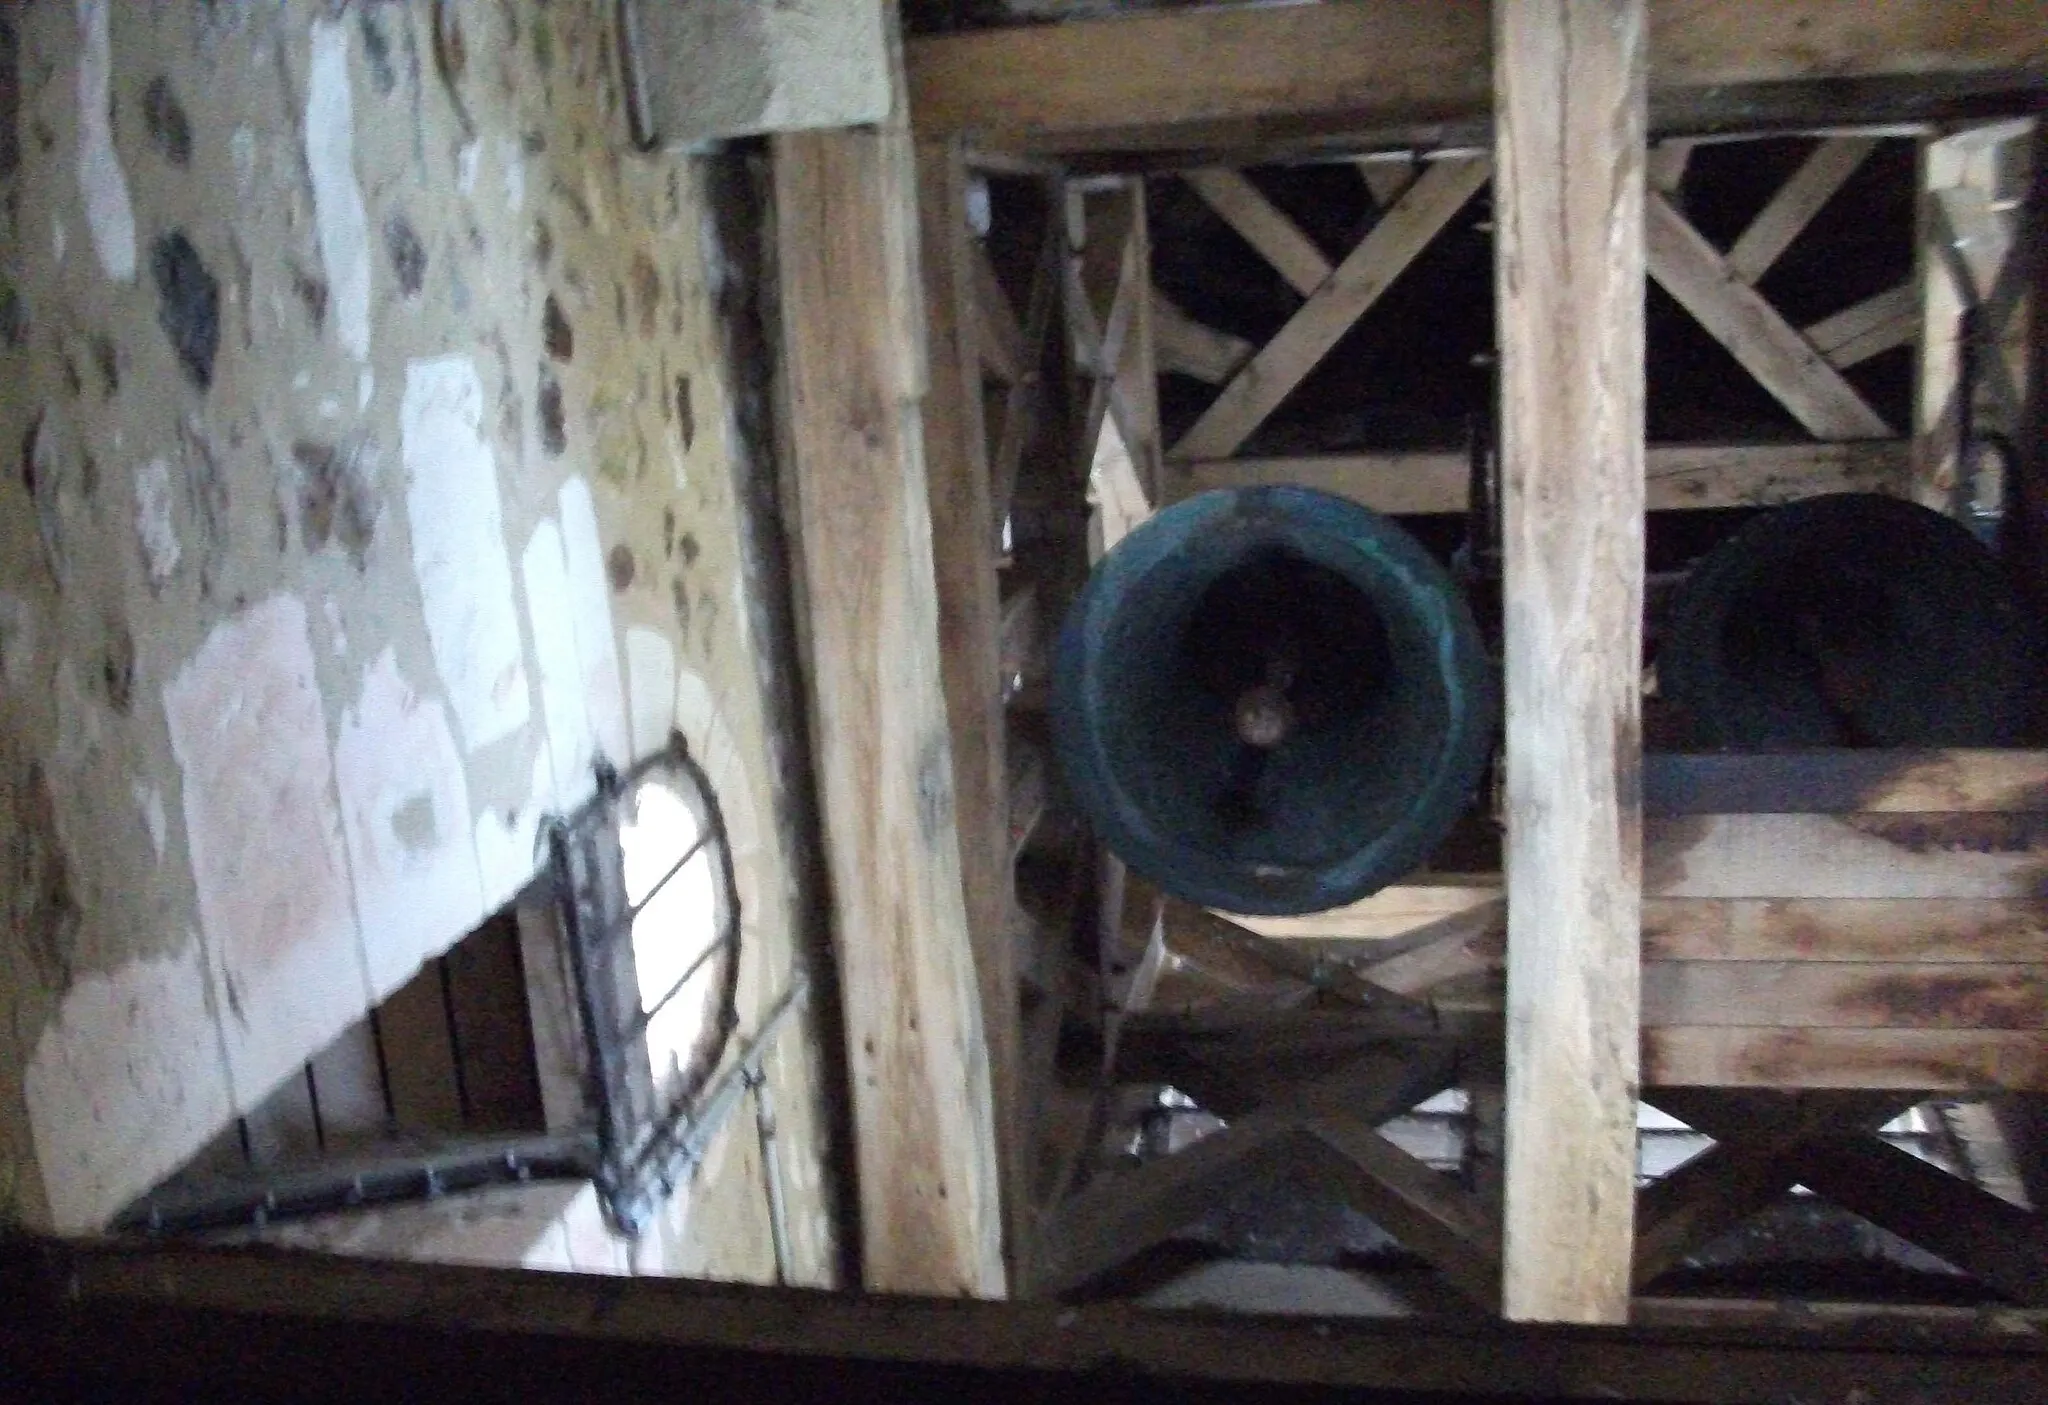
[[649, 1143]]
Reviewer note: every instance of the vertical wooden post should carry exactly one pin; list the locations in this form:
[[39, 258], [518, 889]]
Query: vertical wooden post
[[854, 341], [970, 626], [1973, 213], [1569, 114]]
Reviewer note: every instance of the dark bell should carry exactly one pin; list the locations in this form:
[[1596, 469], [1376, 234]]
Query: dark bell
[[1851, 620], [1271, 701]]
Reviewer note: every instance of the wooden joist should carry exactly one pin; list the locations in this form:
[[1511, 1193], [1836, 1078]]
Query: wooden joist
[[1769, 348], [1793, 208], [1758, 1138], [1336, 304], [999, 336], [2000, 1244], [1120, 1216], [1190, 348], [1569, 85], [1277, 238], [1868, 328], [1224, 80], [924, 1130], [1678, 475], [1423, 1208]]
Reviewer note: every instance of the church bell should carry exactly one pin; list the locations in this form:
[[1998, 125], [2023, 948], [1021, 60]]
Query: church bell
[[1271, 700], [1851, 620]]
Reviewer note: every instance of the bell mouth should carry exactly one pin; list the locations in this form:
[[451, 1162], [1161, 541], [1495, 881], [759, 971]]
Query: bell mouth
[[1271, 700], [1851, 620]]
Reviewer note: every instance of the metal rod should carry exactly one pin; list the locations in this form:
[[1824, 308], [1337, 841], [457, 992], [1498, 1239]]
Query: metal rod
[[771, 1172], [646, 1017], [675, 1149], [652, 893]]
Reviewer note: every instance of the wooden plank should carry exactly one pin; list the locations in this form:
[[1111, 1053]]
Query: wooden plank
[[1679, 475], [1868, 328], [1455, 925], [1249, 77], [1783, 362], [1423, 899], [1845, 995], [420, 1071], [707, 70], [1261, 224], [1934, 1060], [559, 1050], [2000, 1244], [1841, 781], [925, 1142], [1797, 202], [1345, 296], [283, 1129], [1899, 930], [493, 1030], [348, 1090], [1764, 475], [1569, 148], [1189, 348], [998, 335], [1847, 856], [196, 1322]]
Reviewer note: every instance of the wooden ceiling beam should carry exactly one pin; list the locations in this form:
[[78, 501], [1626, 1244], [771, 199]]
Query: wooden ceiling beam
[[1221, 80]]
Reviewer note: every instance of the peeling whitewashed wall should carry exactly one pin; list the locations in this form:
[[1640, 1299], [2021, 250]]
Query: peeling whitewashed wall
[[368, 478]]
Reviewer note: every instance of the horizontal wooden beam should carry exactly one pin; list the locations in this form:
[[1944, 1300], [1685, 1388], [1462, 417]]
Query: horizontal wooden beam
[[206, 1323], [1958, 1060], [1845, 995], [1843, 782], [1679, 475], [1892, 931], [1249, 78], [1846, 856]]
